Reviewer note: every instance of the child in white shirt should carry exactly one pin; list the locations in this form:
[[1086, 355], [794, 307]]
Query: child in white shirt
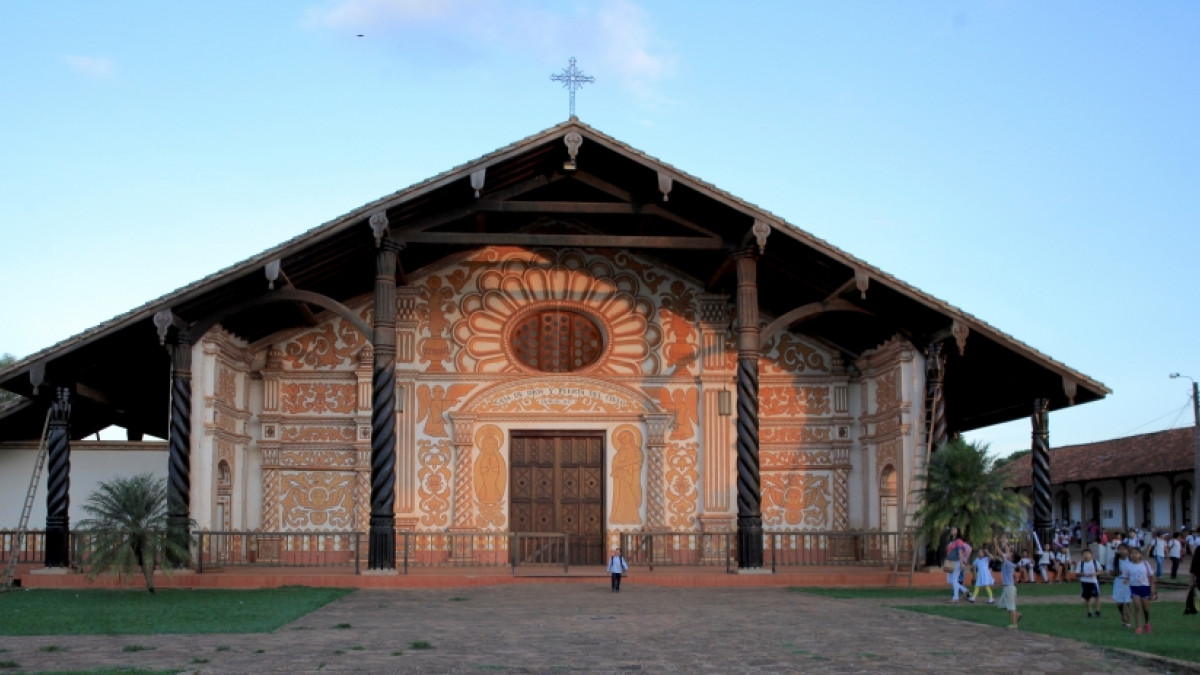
[[1025, 564], [1088, 570]]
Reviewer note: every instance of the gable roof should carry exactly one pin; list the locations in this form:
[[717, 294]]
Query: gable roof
[[619, 185], [1159, 452]]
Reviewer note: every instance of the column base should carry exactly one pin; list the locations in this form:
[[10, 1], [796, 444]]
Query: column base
[[381, 573], [381, 545], [750, 542]]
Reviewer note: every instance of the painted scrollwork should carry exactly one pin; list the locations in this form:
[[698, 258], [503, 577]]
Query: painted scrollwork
[[682, 479], [331, 345], [318, 499], [795, 499], [789, 401], [434, 481], [788, 354], [318, 397]]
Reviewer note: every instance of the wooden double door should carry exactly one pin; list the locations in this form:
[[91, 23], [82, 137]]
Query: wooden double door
[[558, 487]]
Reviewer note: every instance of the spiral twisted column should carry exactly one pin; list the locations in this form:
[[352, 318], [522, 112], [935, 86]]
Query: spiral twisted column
[[179, 447], [936, 373], [58, 481], [382, 537], [1041, 468], [749, 486]]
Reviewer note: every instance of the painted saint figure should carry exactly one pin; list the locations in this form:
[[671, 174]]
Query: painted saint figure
[[490, 475], [627, 477]]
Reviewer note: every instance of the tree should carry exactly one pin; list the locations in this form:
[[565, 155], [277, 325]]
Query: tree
[[1005, 461], [964, 489], [7, 360], [128, 527]]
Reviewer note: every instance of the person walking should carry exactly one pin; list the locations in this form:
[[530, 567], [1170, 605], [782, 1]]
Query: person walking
[[983, 576], [958, 554], [1089, 580], [1139, 574], [1175, 553], [617, 566], [1008, 596]]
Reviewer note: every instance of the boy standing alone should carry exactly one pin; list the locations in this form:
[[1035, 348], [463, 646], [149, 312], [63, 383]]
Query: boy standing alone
[[617, 566], [1008, 596], [1089, 582]]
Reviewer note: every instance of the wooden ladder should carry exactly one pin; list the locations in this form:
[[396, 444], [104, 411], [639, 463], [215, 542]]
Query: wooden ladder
[[18, 541]]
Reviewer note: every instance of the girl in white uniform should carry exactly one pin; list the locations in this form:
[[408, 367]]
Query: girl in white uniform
[[1121, 594], [1139, 574]]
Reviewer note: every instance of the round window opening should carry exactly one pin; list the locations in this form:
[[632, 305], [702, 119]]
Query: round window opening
[[556, 341]]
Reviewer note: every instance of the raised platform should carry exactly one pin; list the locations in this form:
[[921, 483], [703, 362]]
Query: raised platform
[[271, 577]]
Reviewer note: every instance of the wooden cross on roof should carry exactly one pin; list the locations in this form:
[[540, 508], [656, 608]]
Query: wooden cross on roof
[[573, 79]]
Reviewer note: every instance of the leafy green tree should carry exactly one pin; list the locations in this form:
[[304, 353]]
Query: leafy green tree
[[964, 489], [128, 527], [7, 360]]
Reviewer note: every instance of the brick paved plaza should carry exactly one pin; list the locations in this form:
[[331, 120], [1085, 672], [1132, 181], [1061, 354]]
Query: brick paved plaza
[[587, 628]]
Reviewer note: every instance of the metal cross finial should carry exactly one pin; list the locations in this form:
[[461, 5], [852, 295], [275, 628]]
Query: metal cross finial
[[573, 79]]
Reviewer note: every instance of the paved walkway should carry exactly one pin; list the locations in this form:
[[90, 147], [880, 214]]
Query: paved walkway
[[588, 629]]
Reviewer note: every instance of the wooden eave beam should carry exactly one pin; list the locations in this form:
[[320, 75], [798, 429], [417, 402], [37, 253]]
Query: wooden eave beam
[[309, 317], [603, 186], [580, 240]]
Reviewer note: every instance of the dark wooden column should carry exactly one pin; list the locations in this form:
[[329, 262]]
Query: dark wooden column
[[749, 489], [1042, 508], [382, 544], [179, 444], [58, 481], [935, 373]]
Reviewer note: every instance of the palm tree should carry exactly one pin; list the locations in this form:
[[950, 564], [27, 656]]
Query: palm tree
[[964, 489], [128, 527]]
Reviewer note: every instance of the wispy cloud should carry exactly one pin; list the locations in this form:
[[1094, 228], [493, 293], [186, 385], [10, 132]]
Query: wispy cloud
[[613, 37], [92, 66]]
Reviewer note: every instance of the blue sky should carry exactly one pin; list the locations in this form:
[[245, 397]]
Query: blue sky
[[1035, 164]]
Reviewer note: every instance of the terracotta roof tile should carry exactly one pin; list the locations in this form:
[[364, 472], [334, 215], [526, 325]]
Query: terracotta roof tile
[[1154, 453]]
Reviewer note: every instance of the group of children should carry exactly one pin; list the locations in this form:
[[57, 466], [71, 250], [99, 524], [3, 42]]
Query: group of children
[[1134, 584]]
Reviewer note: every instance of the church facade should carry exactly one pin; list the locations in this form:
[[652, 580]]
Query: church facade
[[505, 352], [563, 336]]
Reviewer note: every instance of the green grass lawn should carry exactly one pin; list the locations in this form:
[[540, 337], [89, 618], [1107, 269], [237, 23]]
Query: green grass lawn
[[1174, 634], [1023, 590], [128, 612]]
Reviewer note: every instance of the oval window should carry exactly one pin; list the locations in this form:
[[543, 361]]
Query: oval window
[[557, 341]]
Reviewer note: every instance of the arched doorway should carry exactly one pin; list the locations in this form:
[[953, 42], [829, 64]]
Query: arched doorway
[[1185, 505], [1064, 508], [1145, 507], [889, 515], [1093, 501]]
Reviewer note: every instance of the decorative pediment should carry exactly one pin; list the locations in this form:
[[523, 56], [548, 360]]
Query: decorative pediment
[[560, 395]]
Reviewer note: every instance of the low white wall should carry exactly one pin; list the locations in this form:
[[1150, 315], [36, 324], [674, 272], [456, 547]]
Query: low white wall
[[91, 463]]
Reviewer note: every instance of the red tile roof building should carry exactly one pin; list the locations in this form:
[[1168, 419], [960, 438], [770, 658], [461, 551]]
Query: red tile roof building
[[1143, 480]]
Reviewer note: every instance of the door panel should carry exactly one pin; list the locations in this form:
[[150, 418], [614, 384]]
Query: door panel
[[558, 486]]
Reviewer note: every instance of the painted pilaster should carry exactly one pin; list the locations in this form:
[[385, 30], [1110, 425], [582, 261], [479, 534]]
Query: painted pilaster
[[1042, 508], [464, 483], [718, 446], [749, 493], [58, 481], [382, 551], [656, 443]]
